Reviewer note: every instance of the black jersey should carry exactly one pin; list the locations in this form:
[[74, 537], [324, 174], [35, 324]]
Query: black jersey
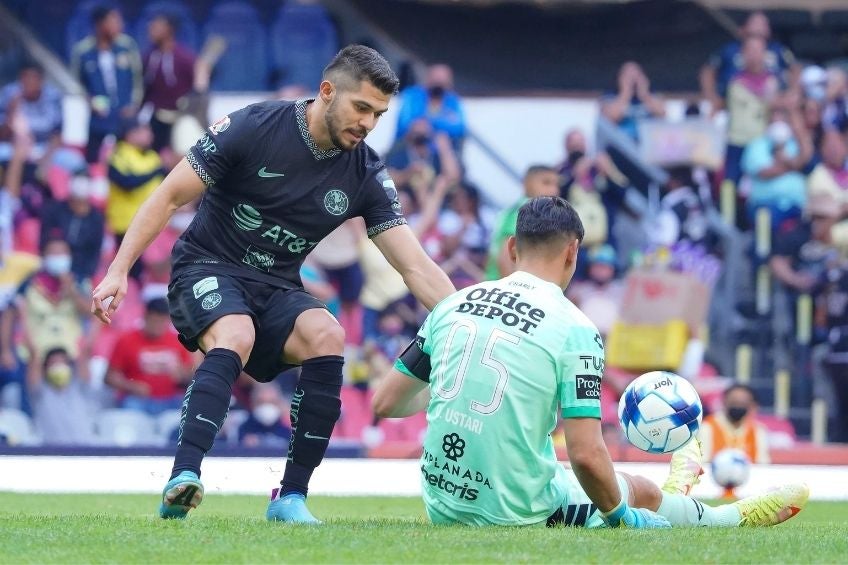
[[272, 194]]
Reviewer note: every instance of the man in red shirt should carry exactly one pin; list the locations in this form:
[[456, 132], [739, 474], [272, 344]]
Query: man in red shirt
[[149, 367]]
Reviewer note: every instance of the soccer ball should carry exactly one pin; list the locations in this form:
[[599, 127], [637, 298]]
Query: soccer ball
[[660, 412], [731, 468]]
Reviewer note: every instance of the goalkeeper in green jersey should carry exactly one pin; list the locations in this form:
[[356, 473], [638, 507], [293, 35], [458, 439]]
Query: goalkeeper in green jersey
[[492, 364]]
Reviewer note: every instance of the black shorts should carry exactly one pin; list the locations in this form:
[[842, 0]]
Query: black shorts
[[198, 297]]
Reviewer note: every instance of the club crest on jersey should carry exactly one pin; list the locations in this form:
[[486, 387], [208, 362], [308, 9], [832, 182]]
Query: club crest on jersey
[[211, 301], [336, 202], [220, 126]]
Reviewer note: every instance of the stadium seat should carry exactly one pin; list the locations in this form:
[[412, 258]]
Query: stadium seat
[[303, 39], [356, 413], [166, 423], [817, 45], [187, 33], [49, 22], [836, 20], [16, 426], [244, 64], [126, 428]]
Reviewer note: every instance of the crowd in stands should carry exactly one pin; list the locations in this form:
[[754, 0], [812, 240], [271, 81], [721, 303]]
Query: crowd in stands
[[66, 210]]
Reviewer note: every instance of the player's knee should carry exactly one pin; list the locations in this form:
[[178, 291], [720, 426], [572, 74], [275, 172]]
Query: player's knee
[[235, 333], [643, 493], [327, 339]]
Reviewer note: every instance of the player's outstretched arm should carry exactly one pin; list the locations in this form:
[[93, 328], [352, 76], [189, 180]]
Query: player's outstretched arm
[[591, 463], [181, 186], [427, 282], [399, 396]]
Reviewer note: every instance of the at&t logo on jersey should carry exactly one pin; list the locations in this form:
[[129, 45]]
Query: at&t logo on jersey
[[246, 217], [503, 305]]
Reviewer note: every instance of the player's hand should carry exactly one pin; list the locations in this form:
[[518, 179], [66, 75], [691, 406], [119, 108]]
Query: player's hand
[[108, 295], [640, 518]]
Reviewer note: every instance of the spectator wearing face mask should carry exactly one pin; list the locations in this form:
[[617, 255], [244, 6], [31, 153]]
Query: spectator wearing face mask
[[79, 223], [267, 425], [735, 426], [63, 403], [436, 101], [773, 163], [51, 305]]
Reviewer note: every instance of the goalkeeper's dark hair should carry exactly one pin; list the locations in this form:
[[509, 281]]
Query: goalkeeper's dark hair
[[547, 220], [357, 63]]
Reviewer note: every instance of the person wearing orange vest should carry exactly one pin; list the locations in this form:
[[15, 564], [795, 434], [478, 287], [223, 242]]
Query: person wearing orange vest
[[735, 426]]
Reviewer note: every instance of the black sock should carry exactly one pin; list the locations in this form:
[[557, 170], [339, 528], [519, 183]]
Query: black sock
[[316, 406], [205, 407]]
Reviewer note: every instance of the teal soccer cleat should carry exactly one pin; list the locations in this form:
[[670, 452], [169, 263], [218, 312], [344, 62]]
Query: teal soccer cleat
[[181, 494], [290, 508]]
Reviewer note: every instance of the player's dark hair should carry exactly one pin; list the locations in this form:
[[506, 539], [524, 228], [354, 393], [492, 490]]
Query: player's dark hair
[[356, 63], [739, 386], [536, 169], [29, 65], [546, 219]]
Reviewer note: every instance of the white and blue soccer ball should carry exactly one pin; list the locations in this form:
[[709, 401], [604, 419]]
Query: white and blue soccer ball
[[660, 412], [730, 468]]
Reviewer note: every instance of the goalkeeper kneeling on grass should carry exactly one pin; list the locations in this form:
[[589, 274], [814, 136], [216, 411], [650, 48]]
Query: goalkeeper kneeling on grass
[[492, 363]]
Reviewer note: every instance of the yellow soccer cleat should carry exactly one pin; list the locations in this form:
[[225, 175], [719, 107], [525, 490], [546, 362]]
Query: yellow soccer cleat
[[772, 507], [686, 469]]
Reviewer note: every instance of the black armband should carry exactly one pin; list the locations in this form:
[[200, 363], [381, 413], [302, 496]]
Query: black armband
[[415, 360]]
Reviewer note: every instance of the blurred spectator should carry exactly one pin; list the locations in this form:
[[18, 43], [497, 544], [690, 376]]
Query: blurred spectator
[[64, 405], [750, 92], [835, 112], [338, 256], [39, 106], [539, 180], [383, 287], [831, 175], [682, 214], [716, 75], [316, 283], [735, 426], [108, 65], [634, 100], [422, 158], [168, 76], [812, 119], [465, 239], [836, 360], [15, 268], [135, 170], [267, 425], [52, 306], [149, 368], [437, 102], [773, 163], [79, 223], [592, 184], [599, 295], [801, 254]]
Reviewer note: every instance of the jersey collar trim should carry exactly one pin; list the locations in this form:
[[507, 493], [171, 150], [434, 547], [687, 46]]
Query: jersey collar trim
[[300, 111]]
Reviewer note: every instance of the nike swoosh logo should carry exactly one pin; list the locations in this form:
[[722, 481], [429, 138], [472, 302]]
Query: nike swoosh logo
[[266, 175], [202, 419], [307, 435]]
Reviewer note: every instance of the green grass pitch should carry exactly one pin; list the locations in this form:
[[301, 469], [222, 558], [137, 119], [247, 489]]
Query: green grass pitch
[[98, 528]]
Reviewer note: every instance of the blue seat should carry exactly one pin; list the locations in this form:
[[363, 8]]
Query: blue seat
[[187, 32], [303, 40], [244, 65], [49, 21]]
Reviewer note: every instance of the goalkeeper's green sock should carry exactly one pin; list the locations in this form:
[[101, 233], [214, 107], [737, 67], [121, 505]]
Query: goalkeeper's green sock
[[683, 510]]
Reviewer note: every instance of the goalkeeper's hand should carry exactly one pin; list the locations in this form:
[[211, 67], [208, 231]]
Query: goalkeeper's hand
[[623, 515]]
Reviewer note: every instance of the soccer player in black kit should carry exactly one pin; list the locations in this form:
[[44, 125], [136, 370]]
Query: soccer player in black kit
[[276, 178]]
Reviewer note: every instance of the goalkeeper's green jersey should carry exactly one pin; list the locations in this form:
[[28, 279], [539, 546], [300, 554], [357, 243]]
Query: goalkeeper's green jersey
[[503, 356]]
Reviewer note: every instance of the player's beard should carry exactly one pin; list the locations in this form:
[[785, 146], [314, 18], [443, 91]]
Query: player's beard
[[335, 129]]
